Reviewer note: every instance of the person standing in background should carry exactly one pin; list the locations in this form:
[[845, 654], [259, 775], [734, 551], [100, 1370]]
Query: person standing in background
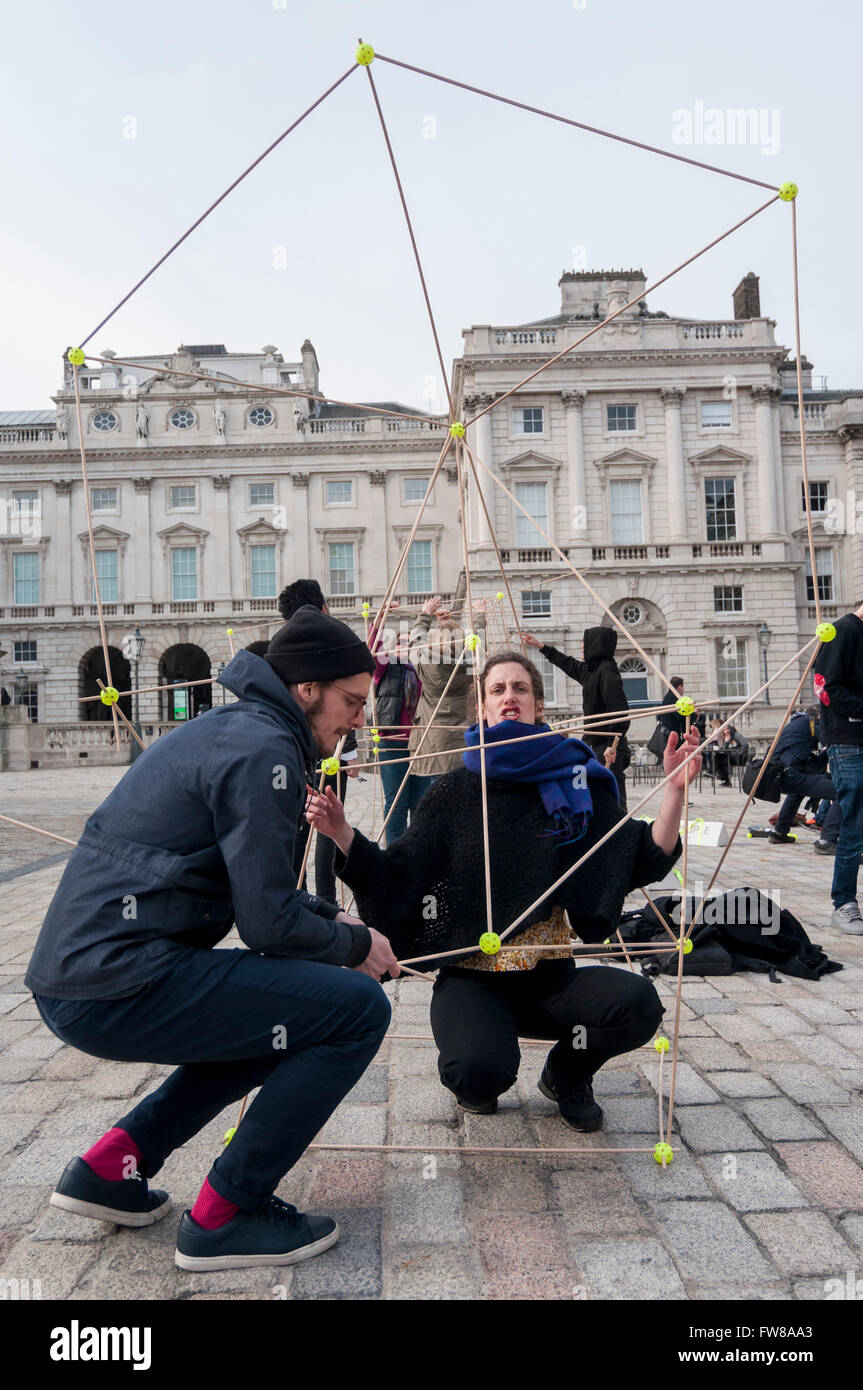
[[838, 683]]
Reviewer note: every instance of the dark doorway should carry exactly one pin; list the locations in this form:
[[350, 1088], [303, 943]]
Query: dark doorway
[[185, 662], [91, 669]]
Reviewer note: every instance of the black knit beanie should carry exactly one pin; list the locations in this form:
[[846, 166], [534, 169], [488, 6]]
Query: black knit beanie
[[315, 647]]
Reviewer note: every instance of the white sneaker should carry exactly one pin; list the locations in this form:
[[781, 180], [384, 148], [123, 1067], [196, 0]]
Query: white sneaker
[[847, 918]]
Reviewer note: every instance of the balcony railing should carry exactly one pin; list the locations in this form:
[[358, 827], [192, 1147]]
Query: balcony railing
[[504, 337], [713, 330], [28, 434], [531, 557], [814, 412]]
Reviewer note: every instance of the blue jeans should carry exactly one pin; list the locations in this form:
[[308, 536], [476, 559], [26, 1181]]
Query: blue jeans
[[846, 769], [392, 776], [234, 1020]]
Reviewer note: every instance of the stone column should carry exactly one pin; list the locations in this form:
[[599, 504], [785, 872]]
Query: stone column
[[143, 588], [480, 441], [222, 589], [573, 402], [299, 547], [786, 524], [60, 591], [386, 559], [672, 397], [764, 398], [851, 436]]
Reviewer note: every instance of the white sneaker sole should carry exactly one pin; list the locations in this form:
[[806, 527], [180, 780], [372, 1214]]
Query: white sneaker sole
[[292, 1257], [99, 1213]]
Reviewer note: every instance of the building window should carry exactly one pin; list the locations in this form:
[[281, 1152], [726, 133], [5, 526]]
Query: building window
[[632, 614], [547, 671], [184, 573], [621, 418], [104, 420], [824, 571], [416, 489], [818, 496], [340, 493], [106, 574], [535, 603], [728, 598], [527, 420], [29, 696], [183, 498], [626, 523], [533, 497], [731, 668], [262, 494], [263, 567], [23, 651], [25, 505], [420, 568], [103, 499], [633, 674], [261, 415], [716, 415], [25, 579], [342, 571], [182, 419], [719, 506]]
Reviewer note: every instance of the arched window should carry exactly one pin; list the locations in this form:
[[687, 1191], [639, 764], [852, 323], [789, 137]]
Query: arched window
[[633, 673]]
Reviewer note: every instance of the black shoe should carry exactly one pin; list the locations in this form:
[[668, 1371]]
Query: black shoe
[[275, 1234], [127, 1202], [488, 1107], [578, 1109], [825, 847], [725, 784], [778, 839]]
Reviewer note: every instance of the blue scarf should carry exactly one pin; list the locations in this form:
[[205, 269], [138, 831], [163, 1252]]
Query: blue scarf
[[560, 767]]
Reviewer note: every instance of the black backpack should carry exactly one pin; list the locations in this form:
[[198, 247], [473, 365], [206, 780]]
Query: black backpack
[[770, 786]]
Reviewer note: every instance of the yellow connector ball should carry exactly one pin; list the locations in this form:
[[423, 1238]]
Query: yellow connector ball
[[788, 192], [76, 356], [663, 1151], [110, 695], [229, 632], [331, 766], [457, 430], [366, 609], [686, 944], [499, 594], [661, 1044], [365, 54], [825, 632], [685, 705], [489, 943], [471, 641], [229, 1133]]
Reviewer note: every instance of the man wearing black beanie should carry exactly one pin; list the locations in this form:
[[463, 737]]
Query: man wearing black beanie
[[197, 836]]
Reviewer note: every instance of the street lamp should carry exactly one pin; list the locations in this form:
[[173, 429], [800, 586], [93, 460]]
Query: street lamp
[[219, 669], [765, 637], [136, 647]]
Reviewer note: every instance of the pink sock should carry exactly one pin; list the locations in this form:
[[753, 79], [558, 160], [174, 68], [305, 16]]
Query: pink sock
[[211, 1210], [110, 1156]]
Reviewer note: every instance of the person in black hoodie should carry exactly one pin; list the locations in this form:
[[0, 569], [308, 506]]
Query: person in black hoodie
[[603, 690], [838, 683]]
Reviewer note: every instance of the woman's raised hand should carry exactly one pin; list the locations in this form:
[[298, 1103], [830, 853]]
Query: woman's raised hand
[[531, 641], [325, 812], [674, 756]]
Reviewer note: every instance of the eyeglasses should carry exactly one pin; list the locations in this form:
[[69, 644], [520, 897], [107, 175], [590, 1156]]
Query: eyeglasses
[[356, 703]]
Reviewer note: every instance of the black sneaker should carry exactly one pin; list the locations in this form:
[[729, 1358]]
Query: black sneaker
[[578, 1109], [275, 1234], [824, 846], [488, 1107], [782, 839], [128, 1202]]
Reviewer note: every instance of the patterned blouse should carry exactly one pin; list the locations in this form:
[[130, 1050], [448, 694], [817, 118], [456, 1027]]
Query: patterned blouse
[[555, 934]]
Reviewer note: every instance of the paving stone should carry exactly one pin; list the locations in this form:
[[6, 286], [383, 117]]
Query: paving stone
[[523, 1256], [821, 1011], [427, 1138], [804, 1082], [713, 1006], [67, 1065], [689, 1087], [94, 1116], [715, 1129], [116, 1079], [446, 1272], [802, 1242], [24, 1206], [41, 1044], [355, 1124], [740, 1027], [14, 1067], [741, 1293], [739, 1084], [846, 1123], [852, 1229], [850, 1035], [629, 1269], [348, 1182], [752, 1182], [508, 1129], [423, 1100], [57, 1274], [780, 1119], [373, 1086], [782, 1022], [634, 1116], [608, 1082], [497, 1184], [779, 1050], [586, 1148], [830, 1178], [425, 1210], [62, 1225], [710, 1244], [27, 1097], [14, 1129], [43, 1160], [594, 1203], [680, 1178], [819, 1290], [714, 1055]]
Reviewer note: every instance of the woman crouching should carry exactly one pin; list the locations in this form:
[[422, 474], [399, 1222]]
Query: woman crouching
[[549, 801]]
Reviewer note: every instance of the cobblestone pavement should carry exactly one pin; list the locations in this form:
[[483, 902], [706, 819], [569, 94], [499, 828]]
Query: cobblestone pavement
[[764, 1199]]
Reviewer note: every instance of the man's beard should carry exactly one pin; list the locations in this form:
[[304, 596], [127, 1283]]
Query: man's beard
[[311, 711]]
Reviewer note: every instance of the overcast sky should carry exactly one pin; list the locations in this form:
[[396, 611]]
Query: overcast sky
[[123, 122]]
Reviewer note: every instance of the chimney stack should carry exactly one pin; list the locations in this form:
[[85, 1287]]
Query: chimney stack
[[747, 301]]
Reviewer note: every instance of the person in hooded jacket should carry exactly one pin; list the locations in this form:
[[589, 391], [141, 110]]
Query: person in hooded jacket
[[447, 704], [599, 675], [196, 836]]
